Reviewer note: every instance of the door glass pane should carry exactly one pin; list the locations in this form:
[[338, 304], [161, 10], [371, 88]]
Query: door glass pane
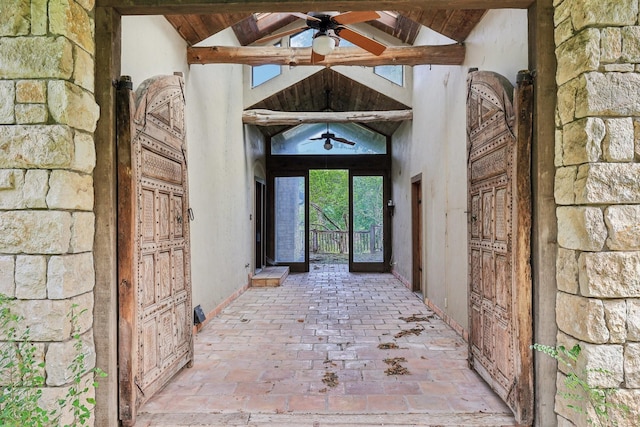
[[290, 239], [368, 211], [329, 216]]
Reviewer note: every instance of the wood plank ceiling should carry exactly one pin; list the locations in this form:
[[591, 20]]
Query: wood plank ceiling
[[328, 90]]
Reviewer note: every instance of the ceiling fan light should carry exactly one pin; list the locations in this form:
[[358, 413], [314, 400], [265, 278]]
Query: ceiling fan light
[[328, 145], [323, 44]]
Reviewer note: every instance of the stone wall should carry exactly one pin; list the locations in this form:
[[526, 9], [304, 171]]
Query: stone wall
[[597, 190], [47, 118]]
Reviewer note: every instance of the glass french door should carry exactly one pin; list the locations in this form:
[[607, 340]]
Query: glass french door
[[369, 233], [291, 227]]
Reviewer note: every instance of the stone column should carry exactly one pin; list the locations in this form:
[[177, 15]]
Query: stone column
[[47, 118], [597, 190]]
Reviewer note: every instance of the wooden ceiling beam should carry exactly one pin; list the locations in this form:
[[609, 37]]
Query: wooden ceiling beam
[[285, 118], [452, 54], [168, 7]]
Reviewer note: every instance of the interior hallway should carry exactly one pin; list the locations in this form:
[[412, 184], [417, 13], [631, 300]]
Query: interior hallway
[[307, 354]]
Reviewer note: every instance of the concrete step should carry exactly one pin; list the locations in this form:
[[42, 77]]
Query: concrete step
[[270, 277]]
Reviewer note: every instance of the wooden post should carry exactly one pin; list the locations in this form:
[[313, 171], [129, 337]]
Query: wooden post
[[523, 109], [372, 239], [127, 351]]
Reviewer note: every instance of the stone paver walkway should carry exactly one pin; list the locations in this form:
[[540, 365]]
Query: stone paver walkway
[[308, 353]]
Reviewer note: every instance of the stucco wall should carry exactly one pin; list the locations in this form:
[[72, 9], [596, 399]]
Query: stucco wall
[[221, 163], [438, 151]]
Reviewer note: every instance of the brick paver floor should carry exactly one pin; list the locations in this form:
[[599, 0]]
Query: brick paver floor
[[319, 350]]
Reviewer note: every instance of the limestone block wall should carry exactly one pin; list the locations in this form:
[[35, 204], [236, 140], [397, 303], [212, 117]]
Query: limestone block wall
[[597, 190], [47, 118]]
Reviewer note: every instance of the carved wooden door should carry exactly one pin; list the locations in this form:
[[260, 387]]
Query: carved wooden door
[[499, 196], [155, 324]]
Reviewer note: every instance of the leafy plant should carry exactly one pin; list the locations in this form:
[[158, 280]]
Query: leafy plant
[[21, 374], [80, 405], [592, 402], [22, 377]]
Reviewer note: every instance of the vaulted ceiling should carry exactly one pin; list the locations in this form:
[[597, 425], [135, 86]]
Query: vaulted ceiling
[[455, 24], [328, 90]]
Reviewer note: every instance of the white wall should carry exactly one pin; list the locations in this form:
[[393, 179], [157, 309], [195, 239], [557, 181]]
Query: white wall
[[221, 164], [438, 151]]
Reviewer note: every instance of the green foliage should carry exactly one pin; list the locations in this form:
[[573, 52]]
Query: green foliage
[[592, 402], [367, 202], [329, 199], [23, 377], [80, 405], [22, 374]]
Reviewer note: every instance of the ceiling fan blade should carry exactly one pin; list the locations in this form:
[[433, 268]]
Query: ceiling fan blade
[[305, 16], [344, 141], [277, 36], [361, 40], [317, 139], [316, 57], [355, 17]]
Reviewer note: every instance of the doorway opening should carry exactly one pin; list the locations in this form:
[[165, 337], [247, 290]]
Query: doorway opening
[[328, 216], [416, 233], [260, 224]]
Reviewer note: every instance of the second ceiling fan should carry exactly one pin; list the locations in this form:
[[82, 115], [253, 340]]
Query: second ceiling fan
[[331, 27]]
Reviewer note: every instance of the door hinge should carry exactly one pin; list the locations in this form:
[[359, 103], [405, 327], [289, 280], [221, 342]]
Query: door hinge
[[124, 82]]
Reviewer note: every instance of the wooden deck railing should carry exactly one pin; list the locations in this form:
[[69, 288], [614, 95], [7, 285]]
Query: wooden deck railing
[[337, 242]]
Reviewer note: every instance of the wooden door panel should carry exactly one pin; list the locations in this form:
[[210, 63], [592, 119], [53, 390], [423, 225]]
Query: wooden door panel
[[155, 305], [499, 273]]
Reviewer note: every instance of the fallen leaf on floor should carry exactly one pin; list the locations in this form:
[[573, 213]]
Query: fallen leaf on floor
[[330, 379], [300, 320], [322, 390], [417, 318], [415, 331], [244, 320], [329, 362], [396, 368], [388, 346]]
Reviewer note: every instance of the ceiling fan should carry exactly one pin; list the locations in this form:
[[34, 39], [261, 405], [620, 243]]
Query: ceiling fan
[[328, 136], [331, 27]]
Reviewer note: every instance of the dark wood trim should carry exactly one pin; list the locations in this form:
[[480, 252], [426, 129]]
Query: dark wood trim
[[259, 211], [416, 233], [171, 7], [378, 162]]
